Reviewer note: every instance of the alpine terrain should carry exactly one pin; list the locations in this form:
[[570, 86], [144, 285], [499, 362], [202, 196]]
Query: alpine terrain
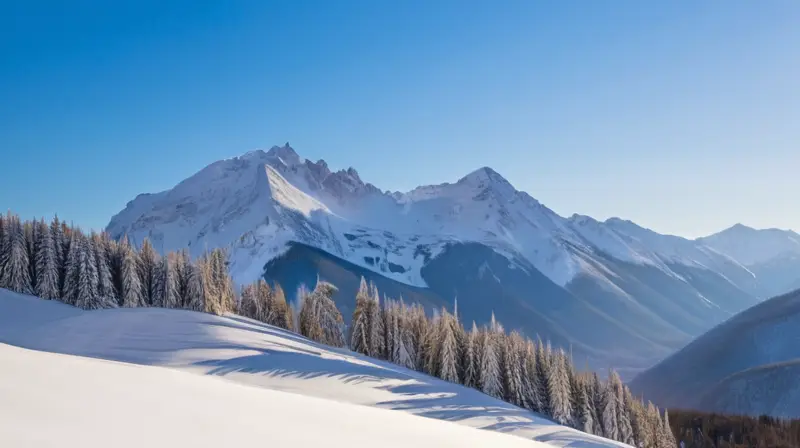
[[750, 365], [614, 293], [196, 379]]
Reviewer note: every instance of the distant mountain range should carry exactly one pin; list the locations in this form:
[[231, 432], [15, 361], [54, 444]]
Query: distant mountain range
[[616, 293], [748, 365]]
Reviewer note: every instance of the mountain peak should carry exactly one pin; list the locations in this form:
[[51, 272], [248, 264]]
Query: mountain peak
[[286, 153], [484, 176]]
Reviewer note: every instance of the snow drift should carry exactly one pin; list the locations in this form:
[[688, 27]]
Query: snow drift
[[287, 370]]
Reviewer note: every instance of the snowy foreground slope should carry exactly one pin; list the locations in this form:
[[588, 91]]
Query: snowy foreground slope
[[303, 393], [60, 400]]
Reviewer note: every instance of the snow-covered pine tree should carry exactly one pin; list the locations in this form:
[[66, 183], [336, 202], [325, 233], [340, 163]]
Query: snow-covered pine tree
[[511, 367], [623, 421], [131, 293], [209, 288], [167, 282], [57, 233], [16, 269], [280, 311], [655, 426], [407, 355], [667, 438], [636, 415], [530, 379], [432, 345], [595, 391], [105, 286], [584, 420], [72, 268], [470, 376], [319, 318], [221, 280], [31, 247], [148, 270], [47, 281], [542, 372], [448, 349], [87, 276], [610, 410], [418, 330], [359, 327], [400, 353], [248, 299], [188, 283], [489, 374], [261, 294], [558, 389], [376, 328]]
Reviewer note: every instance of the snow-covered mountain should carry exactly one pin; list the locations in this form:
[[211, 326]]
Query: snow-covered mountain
[[77, 378], [746, 365], [532, 265]]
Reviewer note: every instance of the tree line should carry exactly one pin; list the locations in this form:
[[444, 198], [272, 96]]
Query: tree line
[[710, 430], [93, 271]]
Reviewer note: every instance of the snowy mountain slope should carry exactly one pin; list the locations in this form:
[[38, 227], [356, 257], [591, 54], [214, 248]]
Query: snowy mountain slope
[[713, 372], [772, 255], [661, 290], [287, 368], [69, 401]]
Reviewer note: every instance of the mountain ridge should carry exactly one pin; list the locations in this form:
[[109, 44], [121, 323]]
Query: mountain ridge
[[258, 203]]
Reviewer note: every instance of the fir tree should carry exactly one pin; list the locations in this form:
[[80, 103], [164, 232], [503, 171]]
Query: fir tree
[[667, 437], [597, 393], [448, 349], [47, 281], [511, 368], [490, 381], [106, 291], [418, 330], [248, 302], [558, 389], [376, 329], [87, 296], [319, 318], [148, 272], [131, 293], [281, 314], [359, 327], [166, 283], [530, 379], [542, 372], [470, 378], [188, 283], [611, 409], [31, 247], [57, 234], [73, 263], [16, 269], [584, 420]]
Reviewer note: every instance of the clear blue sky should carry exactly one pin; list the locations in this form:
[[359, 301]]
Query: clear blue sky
[[683, 116]]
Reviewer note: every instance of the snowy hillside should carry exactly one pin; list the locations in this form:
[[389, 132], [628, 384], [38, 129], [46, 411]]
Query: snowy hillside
[[281, 387], [749, 364]]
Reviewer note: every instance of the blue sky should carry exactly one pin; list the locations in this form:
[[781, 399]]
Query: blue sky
[[683, 116]]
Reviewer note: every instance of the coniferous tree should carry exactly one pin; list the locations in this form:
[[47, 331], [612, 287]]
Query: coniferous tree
[[280, 312], [611, 408], [166, 282], [558, 389], [2, 246], [511, 347], [376, 328], [530, 379], [447, 349], [542, 372], [624, 423], [106, 291], [31, 247], [16, 269], [597, 396], [359, 327], [248, 302], [470, 377], [667, 438], [47, 281], [131, 293], [57, 233], [188, 283], [86, 277], [148, 272], [418, 333], [319, 319], [490, 381], [72, 269], [584, 420]]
